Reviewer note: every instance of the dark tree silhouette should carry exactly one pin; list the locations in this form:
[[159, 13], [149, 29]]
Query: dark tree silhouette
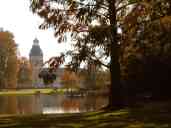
[[49, 74]]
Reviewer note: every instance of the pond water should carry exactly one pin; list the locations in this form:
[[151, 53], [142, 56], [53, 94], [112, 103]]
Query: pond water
[[44, 104]]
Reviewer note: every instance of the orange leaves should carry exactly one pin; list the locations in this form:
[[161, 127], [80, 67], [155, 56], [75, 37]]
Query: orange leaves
[[8, 60], [70, 79], [69, 76], [166, 21]]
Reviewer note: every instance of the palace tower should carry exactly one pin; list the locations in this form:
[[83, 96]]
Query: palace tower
[[36, 60]]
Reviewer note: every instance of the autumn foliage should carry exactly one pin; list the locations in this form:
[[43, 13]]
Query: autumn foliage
[[24, 72], [70, 79], [8, 60]]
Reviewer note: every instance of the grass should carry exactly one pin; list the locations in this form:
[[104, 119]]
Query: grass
[[151, 115], [31, 91]]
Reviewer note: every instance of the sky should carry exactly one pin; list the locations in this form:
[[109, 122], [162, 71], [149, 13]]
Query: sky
[[16, 17]]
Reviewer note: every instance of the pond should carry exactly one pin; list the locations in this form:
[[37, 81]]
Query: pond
[[45, 104]]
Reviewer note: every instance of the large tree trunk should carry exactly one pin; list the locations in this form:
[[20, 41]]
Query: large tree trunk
[[115, 98]]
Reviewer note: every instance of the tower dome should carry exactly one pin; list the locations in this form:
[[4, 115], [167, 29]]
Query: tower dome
[[36, 50]]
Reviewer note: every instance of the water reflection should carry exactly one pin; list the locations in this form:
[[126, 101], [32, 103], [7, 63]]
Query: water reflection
[[59, 110], [36, 104]]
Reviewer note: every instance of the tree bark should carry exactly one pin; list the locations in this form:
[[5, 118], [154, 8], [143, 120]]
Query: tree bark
[[115, 98]]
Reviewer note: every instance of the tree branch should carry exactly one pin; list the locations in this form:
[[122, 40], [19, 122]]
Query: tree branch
[[99, 61]]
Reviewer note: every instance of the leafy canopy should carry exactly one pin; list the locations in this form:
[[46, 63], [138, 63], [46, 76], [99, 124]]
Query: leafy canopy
[[87, 22]]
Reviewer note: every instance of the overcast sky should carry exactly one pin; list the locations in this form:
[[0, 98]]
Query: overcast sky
[[16, 17]]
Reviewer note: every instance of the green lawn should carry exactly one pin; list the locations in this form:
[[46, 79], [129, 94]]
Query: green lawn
[[31, 91], [151, 115]]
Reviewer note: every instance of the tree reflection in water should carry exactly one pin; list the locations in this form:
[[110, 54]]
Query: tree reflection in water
[[36, 104]]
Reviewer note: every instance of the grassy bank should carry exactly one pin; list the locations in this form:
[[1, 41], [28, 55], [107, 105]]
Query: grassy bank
[[31, 91], [151, 115]]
